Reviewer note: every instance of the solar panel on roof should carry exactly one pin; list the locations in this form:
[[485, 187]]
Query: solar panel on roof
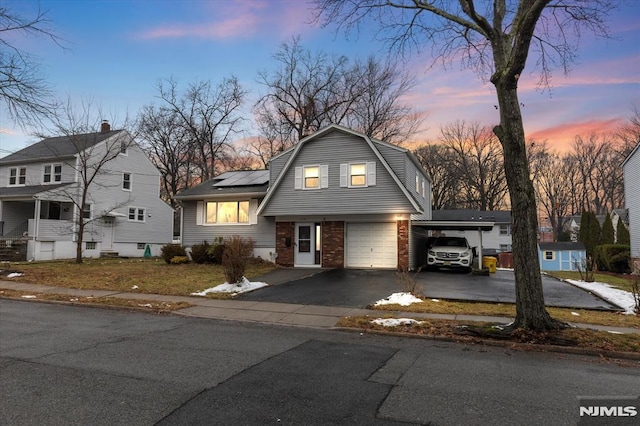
[[243, 178]]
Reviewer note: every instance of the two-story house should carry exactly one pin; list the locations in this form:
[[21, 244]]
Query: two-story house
[[631, 168], [336, 199], [40, 197]]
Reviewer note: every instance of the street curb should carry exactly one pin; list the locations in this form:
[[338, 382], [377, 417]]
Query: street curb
[[91, 305], [626, 356]]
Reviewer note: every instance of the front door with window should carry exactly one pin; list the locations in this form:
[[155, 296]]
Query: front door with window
[[307, 247]]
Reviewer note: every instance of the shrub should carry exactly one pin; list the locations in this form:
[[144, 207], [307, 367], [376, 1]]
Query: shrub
[[622, 233], [237, 252], [589, 231], [613, 258], [200, 253], [178, 260], [608, 234], [216, 250], [169, 251]]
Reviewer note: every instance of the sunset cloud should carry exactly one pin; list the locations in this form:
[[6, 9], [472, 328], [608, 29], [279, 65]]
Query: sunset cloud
[[240, 19], [561, 137]]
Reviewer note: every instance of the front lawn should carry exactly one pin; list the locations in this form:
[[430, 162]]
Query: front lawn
[[621, 281], [149, 275]]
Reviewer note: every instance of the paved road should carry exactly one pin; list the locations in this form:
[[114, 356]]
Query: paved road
[[79, 365], [362, 287]]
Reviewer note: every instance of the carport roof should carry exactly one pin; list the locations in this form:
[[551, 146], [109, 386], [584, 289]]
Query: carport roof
[[456, 225]]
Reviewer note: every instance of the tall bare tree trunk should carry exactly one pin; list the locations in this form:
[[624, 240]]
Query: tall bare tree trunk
[[530, 309]]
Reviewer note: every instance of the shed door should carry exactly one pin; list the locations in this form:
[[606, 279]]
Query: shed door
[[372, 245]]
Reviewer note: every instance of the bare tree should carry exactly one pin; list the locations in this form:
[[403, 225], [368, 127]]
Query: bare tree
[[78, 126], [378, 111], [495, 41], [554, 189], [477, 156], [311, 90], [25, 93], [164, 140], [209, 116], [437, 159]]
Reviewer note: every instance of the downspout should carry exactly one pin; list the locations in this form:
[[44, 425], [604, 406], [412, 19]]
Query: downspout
[[480, 249]]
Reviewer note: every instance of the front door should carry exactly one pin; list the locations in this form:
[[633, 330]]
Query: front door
[[107, 233], [307, 248]]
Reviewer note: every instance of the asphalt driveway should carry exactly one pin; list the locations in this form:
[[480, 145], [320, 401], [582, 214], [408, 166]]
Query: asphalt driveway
[[362, 287]]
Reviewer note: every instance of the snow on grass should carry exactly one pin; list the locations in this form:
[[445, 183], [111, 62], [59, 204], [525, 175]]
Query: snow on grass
[[28, 296], [402, 299], [15, 275], [618, 297], [395, 322], [242, 287]]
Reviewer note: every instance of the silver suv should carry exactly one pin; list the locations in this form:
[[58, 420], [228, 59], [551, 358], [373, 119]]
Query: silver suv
[[450, 252]]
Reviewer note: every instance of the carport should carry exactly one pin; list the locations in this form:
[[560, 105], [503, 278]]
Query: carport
[[456, 225]]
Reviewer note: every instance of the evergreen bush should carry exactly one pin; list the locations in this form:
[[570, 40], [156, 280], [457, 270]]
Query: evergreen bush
[[169, 251]]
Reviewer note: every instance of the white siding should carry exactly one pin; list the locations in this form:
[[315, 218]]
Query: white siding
[[632, 198]]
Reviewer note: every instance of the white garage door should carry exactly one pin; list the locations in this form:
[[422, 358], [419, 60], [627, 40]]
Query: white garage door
[[372, 245]]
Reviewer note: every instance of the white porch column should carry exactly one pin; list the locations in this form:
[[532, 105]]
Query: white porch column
[[480, 249]]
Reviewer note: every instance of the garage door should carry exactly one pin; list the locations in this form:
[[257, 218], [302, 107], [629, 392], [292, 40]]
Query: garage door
[[372, 245]]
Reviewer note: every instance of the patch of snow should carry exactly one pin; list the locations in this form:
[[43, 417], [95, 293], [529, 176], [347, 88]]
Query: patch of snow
[[15, 275], [504, 269], [394, 322], [575, 314], [135, 287], [618, 297], [614, 332], [28, 296], [73, 299], [242, 287], [402, 299], [435, 300], [146, 305]]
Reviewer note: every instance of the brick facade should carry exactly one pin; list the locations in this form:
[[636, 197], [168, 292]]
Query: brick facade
[[285, 233], [333, 244], [403, 245]]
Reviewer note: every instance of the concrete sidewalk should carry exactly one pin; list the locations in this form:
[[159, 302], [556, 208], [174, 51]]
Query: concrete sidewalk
[[269, 312]]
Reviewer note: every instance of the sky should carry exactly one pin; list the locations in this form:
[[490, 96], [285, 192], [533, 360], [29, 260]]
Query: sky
[[116, 51]]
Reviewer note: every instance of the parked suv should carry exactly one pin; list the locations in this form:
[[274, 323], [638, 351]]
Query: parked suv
[[450, 252]]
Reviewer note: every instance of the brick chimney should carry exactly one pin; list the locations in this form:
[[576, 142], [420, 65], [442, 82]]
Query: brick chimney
[[105, 126]]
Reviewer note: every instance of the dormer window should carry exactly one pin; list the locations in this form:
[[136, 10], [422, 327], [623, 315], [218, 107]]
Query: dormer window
[[123, 147], [52, 173], [17, 176]]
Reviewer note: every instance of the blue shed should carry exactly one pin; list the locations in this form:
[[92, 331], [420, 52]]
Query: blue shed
[[563, 256]]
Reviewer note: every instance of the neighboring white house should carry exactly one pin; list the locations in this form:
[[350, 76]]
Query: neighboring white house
[[631, 168], [497, 239], [39, 195]]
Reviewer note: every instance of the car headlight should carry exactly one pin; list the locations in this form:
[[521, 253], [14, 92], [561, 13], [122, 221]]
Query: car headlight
[[432, 253], [464, 254]]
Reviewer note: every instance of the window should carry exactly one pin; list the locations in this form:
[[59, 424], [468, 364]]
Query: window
[[505, 247], [52, 173], [358, 174], [17, 176], [123, 147], [142, 246], [549, 255], [505, 229], [311, 177], [86, 211], [417, 183], [90, 245], [227, 212], [136, 214], [424, 189], [126, 181]]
